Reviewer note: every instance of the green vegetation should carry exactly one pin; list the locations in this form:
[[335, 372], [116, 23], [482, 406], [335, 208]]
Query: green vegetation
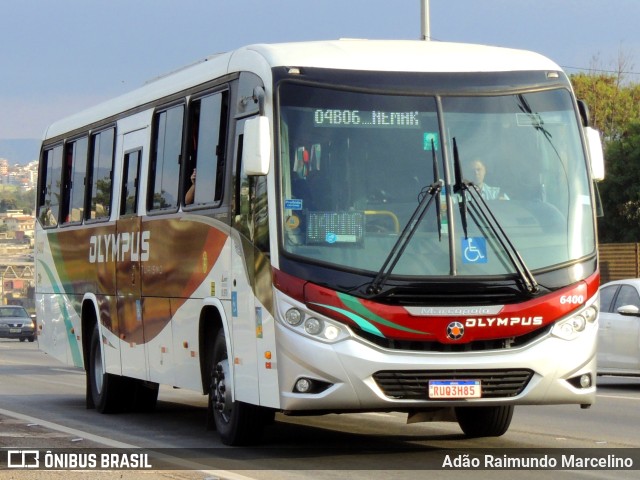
[[614, 105], [13, 197]]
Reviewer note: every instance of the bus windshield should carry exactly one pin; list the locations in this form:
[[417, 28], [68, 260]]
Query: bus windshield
[[355, 165]]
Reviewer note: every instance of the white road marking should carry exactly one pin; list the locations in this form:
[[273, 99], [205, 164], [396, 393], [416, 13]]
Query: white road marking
[[115, 444]]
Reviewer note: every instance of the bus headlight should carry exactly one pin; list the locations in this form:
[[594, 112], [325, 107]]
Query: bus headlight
[[313, 325], [571, 327], [293, 317]]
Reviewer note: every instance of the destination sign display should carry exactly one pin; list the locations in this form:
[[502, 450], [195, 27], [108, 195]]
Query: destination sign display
[[365, 119]]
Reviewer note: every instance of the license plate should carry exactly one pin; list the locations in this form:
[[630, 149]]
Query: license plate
[[15, 330], [455, 389]]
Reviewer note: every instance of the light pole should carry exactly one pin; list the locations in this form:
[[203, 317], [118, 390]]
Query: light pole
[[426, 22]]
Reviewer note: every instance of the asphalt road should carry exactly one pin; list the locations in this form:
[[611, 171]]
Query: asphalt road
[[42, 407]]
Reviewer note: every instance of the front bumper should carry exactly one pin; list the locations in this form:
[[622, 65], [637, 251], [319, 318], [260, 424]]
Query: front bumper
[[17, 333], [348, 370]]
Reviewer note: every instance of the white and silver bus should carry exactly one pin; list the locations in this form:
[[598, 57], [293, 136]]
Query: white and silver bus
[[338, 226]]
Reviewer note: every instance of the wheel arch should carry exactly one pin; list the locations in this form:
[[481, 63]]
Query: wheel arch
[[212, 320]]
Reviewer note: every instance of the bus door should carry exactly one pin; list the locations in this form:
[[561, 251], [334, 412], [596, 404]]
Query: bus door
[[251, 295], [130, 245]]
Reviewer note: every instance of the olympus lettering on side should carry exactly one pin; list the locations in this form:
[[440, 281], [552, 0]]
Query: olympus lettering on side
[[132, 246]]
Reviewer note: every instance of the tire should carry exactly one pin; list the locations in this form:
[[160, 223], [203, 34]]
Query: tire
[[105, 389], [22, 339], [237, 423], [484, 421], [32, 339]]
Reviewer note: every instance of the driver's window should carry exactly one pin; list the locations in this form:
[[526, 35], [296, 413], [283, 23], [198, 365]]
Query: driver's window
[[627, 296]]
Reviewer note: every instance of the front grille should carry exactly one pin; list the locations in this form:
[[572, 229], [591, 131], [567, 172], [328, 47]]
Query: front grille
[[414, 385], [474, 346]]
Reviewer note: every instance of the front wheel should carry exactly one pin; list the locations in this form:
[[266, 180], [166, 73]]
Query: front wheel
[[484, 421], [105, 389], [237, 423]]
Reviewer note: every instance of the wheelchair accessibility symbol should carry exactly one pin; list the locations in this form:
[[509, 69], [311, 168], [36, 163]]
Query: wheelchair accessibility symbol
[[474, 250]]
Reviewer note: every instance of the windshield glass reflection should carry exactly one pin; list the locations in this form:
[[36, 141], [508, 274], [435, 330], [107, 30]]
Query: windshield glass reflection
[[355, 166]]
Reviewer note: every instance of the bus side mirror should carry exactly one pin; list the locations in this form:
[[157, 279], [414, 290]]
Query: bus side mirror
[[256, 149], [596, 156]]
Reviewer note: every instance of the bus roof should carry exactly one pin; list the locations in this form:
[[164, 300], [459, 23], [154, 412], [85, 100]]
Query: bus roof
[[366, 55], [401, 55]]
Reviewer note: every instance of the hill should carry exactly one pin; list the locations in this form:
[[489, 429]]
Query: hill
[[21, 151]]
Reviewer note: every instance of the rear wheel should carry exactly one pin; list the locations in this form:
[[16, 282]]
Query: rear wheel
[[484, 421], [105, 389], [237, 423]]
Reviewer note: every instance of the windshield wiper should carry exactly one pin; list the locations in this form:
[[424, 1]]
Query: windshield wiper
[[479, 207], [460, 187], [536, 121], [426, 198]]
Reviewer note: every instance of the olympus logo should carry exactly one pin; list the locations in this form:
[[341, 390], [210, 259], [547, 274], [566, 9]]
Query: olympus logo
[[502, 322], [454, 311]]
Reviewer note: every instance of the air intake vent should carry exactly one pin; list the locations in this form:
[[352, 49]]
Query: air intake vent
[[414, 385]]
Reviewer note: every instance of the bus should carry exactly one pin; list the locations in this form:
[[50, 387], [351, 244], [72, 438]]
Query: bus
[[305, 228]]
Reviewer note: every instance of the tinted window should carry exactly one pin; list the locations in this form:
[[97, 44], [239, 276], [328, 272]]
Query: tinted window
[[51, 189], [101, 168], [206, 149], [606, 296], [165, 164], [13, 312], [75, 173], [129, 199], [627, 296]]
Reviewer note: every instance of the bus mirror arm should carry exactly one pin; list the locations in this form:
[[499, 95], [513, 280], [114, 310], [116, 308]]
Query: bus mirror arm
[[258, 97]]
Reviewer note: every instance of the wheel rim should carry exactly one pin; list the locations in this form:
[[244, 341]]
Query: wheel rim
[[223, 405]]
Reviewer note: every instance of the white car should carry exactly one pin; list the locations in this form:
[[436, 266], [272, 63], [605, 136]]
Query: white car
[[619, 331]]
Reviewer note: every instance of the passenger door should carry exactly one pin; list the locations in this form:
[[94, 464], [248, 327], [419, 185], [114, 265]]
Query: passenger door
[[129, 243]]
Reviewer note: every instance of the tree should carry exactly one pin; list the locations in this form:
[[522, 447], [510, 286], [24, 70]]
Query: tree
[[613, 102], [620, 191]]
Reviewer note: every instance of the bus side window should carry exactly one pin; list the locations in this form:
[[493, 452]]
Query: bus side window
[[207, 148], [131, 169], [51, 186], [164, 167], [74, 180], [100, 184]]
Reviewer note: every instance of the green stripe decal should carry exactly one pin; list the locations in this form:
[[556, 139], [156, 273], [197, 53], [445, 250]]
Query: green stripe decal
[[362, 323], [73, 342], [354, 305]]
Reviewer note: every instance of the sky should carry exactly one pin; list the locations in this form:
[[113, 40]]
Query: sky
[[60, 56]]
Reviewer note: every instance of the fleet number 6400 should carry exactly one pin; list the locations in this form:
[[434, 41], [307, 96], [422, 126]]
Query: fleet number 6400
[[572, 299]]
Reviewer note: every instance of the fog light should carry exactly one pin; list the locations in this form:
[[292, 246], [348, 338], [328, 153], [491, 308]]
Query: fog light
[[585, 380], [303, 385], [331, 332], [293, 317], [313, 326]]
